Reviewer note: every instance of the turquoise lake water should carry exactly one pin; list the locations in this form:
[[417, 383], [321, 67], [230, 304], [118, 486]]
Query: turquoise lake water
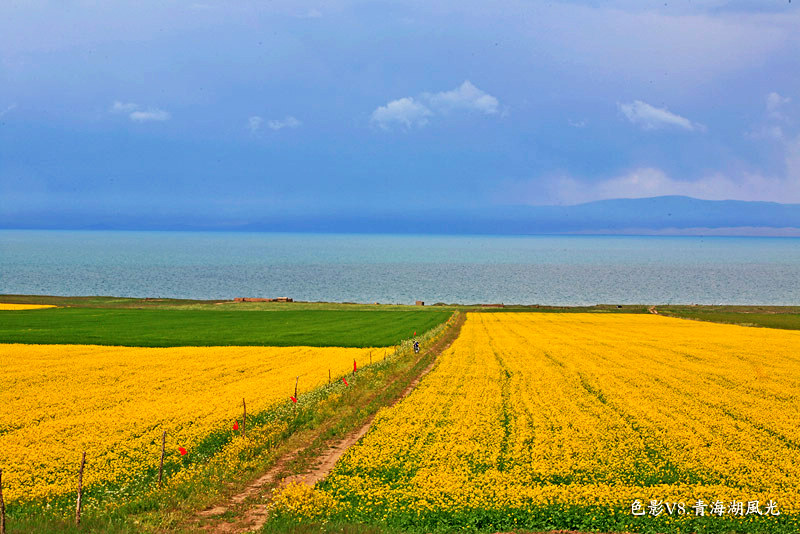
[[559, 270]]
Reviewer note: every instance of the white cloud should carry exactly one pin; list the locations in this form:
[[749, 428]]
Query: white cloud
[[122, 107], [646, 182], [410, 111], [652, 182], [792, 153], [772, 126], [650, 117], [312, 14], [405, 111], [774, 104], [577, 124], [137, 114], [742, 185], [288, 122], [466, 96], [774, 101], [8, 110], [772, 132], [150, 115], [254, 123]]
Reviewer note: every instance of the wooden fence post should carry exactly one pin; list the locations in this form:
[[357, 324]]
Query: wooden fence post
[[2, 507], [80, 490], [244, 417], [161, 463], [329, 377], [295, 386]]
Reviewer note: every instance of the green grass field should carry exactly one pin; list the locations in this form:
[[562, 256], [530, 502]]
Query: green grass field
[[169, 327], [174, 322], [752, 317]]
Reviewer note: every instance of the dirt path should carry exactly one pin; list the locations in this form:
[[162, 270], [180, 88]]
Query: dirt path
[[253, 516], [328, 459]]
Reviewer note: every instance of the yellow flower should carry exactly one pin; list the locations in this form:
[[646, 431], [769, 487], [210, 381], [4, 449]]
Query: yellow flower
[[114, 402], [13, 307], [540, 409]]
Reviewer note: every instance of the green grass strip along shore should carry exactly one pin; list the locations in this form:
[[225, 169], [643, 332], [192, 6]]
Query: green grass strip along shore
[[172, 328]]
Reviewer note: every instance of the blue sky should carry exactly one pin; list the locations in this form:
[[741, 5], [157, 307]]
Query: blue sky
[[236, 109]]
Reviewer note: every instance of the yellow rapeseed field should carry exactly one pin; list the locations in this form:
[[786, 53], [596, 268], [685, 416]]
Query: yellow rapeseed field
[[15, 307], [114, 403], [535, 414]]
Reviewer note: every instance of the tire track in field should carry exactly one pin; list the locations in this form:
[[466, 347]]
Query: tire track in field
[[255, 516]]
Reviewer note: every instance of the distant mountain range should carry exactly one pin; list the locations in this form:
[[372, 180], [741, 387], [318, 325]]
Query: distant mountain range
[[666, 215]]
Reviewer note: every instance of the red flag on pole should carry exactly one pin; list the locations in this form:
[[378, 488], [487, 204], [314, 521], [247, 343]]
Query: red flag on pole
[[182, 451], [345, 381], [236, 425], [294, 399], [354, 366]]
